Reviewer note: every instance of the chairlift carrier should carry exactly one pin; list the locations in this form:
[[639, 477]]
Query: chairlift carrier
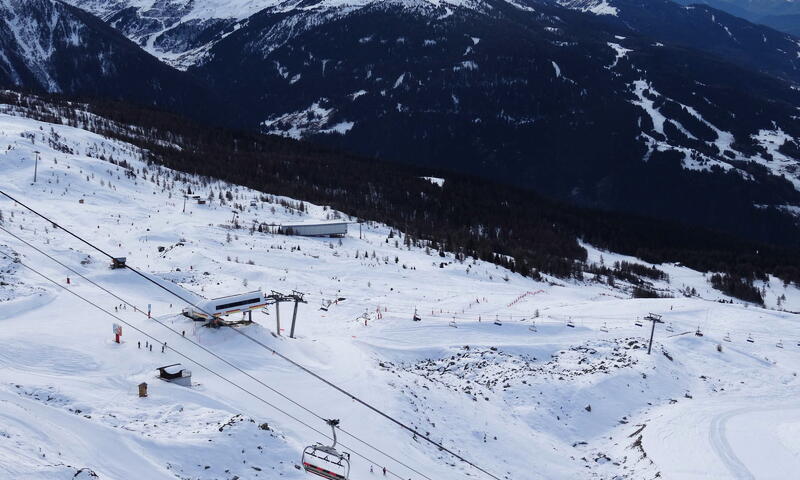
[[325, 461]]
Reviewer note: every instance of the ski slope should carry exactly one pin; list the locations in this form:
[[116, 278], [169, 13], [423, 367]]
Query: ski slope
[[492, 371]]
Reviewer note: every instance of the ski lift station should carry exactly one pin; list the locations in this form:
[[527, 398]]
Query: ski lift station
[[327, 229], [224, 306]]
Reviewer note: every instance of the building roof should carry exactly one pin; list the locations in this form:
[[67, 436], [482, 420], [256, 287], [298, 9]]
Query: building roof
[[318, 224]]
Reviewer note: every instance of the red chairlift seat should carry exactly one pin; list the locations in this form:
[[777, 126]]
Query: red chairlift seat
[[322, 472]]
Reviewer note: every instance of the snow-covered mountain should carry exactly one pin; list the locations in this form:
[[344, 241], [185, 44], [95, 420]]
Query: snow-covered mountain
[[504, 92], [493, 370], [176, 31], [49, 46], [182, 33], [595, 104], [781, 15], [701, 27]]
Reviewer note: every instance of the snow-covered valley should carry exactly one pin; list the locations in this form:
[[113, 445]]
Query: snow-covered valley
[[527, 379]]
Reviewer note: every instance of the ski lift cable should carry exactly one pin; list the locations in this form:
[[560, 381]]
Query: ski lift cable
[[196, 362], [222, 359], [266, 347]]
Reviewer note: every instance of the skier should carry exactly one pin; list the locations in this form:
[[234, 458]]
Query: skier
[[139, 343], [384, 471]]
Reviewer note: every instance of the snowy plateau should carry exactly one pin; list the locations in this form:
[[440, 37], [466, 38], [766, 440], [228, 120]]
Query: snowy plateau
[[527, 379]]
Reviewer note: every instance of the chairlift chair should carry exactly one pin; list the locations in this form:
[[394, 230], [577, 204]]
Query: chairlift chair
[[453, 324], [750, 338], [325, 461], [698, 332], [416, 317], [727, 337], [532, 328], [604, 328], [570, 324], [638, 322], [669, 327], [779, 344]]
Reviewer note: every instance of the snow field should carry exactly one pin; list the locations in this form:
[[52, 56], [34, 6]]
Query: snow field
[[509, 398]]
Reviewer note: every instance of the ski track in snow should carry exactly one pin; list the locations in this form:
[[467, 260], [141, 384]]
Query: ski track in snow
[[719, 440]]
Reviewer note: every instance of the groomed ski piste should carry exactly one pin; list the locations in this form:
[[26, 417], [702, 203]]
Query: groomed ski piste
[[493, 371]]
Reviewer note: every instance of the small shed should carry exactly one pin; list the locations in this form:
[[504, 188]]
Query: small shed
[[143, 389], [174, 374], [326, 229], [118, 262]]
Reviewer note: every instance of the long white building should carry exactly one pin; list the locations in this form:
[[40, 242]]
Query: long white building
[[326, 229]]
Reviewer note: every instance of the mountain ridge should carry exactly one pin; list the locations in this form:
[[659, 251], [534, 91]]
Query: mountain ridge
[[579, 107], [50, 46]]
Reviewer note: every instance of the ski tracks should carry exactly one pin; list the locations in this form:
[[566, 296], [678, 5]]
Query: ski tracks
[[717, 436]]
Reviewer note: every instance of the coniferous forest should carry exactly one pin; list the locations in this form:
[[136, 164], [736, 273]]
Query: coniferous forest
[[516, 228]]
